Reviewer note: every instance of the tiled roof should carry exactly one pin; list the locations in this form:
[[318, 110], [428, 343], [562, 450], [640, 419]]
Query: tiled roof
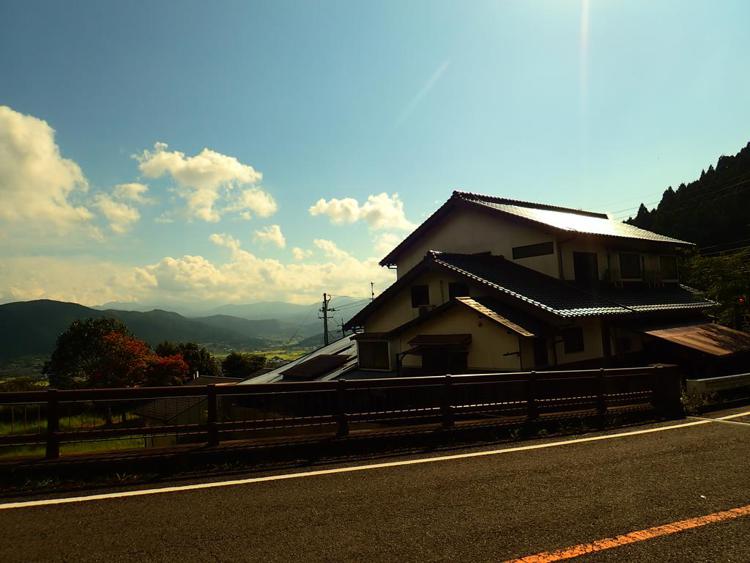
[[561, 298], [550, 216], [571, 220]]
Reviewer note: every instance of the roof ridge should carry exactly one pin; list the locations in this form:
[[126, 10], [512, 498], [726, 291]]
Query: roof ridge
[[472, 196]]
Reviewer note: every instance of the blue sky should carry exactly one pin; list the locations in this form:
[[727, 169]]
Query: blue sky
[[598, 104]]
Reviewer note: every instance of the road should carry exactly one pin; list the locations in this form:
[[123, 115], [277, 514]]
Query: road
[[490, 504]]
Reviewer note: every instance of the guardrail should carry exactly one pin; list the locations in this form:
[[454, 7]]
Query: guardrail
[[163, 416], [716, 384]]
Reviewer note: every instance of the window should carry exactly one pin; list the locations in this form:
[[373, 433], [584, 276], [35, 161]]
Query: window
[[541, 249], [630, 266], [586, 268], [668, 267], [457, 289], [373, 355], [573, 340], [420, 295]]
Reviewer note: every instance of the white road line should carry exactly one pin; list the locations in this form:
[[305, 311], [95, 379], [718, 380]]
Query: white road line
[[354, 468]]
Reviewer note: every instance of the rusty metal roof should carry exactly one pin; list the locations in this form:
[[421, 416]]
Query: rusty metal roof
[[499, 313], [710, 338]]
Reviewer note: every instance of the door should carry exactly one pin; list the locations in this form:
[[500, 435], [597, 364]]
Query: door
[[585, 268]]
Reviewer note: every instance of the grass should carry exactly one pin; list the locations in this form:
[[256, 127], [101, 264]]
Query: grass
[[38, 450]]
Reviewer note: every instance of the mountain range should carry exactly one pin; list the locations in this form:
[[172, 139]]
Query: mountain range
[[31, 328]]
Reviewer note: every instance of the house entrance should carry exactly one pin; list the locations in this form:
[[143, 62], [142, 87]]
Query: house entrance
[[585, 268], [438, 361]]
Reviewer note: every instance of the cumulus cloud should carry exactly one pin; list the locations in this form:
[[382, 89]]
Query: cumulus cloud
[[300, 253], [37, 185], [132, 191], [253, 201], [186, 280], [246, 277], [385, 242], [330, 249], [121, 216], [119, 206], [271, 234], [380, 212], [208, 179]]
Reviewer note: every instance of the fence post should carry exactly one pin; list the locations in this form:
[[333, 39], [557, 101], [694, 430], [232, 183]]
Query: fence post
[[668, 391], [213, 429], [53, 425], [601, 398], [341, 418], [532, 411], [446, 407]]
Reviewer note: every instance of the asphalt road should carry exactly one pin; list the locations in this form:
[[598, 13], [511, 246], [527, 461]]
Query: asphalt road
[[488, 508]]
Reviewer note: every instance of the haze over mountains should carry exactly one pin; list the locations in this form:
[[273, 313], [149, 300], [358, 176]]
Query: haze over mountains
[[31, 328]]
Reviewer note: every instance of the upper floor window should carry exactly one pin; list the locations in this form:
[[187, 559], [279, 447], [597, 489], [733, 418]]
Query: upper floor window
[[420, 295], [668, 267], [541, 249], [630, 266], [573, 340], [457, 289]]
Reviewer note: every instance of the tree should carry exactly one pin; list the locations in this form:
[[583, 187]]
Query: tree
[[123, 362], [242, 365], [79, 350], [198, 358], [167, 370]]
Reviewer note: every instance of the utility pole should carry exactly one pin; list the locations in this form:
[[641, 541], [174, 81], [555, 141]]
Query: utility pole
[[325, 310], [372, 291]]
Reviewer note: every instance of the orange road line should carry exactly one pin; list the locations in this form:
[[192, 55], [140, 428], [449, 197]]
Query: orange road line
[[634, 537]]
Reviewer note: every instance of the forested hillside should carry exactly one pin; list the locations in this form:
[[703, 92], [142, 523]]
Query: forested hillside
[[711, 211]]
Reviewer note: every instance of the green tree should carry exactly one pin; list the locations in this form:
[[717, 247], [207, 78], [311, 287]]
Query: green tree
[[239, 364], [198, 358], [79, 351]]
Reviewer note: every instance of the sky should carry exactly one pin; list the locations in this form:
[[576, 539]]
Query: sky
[[231, 152]]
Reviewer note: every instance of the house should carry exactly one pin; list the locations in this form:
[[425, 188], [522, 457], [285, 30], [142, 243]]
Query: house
[[489, 284]]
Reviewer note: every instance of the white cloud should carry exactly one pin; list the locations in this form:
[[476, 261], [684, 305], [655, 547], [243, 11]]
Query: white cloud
[[132, 191], [37, 185], [121, 216], [271, 234], [206, 180], [385, 242], [225, 240], [253, 201], [381, 211], [330, 249], [187, 280], [300, 254]]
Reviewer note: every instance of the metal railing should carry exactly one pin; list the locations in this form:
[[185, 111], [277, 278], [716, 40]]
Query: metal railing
[[165, 416]]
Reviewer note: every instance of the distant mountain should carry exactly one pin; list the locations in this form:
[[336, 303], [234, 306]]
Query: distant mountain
[[267, 310], [711, 211], [32, 327]]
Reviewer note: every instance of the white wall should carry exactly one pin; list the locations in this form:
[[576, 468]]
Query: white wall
[[468, 231]]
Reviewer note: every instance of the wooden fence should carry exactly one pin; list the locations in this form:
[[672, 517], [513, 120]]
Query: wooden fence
[[213, 413]]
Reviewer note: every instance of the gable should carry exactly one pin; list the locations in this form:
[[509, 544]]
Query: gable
[[466, 230]]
